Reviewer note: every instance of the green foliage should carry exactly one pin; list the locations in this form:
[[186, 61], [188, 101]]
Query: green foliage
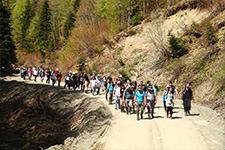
[[210, 36], [99, 50], [81, 62], [22, 15], [41, 33], [71, 19], [177, 46], [7, 53], [136, 19]]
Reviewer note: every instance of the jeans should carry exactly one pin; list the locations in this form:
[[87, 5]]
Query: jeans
[[150, 107], [117, 102], [140, 107]]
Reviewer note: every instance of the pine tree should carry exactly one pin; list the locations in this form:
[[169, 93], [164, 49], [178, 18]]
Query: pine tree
[[22, 15], [43, 33], [7, 53], [71, 19]]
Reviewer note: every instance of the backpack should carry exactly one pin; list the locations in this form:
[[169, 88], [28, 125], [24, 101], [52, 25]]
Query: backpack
[[128, 94]]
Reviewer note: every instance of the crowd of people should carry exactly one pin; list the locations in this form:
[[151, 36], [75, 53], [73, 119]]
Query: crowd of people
[[128, 96]]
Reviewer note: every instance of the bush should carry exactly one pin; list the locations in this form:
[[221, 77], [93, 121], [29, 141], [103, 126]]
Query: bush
[[177, 46], [210, 36], [136, 19]]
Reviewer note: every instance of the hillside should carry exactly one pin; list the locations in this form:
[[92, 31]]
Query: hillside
[[179, 40], [35, 116], [140, 52]]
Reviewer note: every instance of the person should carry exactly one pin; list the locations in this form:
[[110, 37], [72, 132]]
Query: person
[[140, 99], [30, 73], [128, 98], [42, 74], [173, 88], [35, 73], [59, 78], [117, 93], [122, 102], [53, 78], [67, 80], [86, 83], [187, 97], [98, 85], [109, 91], [164, 96], [169, 103], [151, 101], [48, 75], [93, 85]]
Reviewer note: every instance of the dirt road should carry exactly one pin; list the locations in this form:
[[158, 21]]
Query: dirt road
[[203, 130]]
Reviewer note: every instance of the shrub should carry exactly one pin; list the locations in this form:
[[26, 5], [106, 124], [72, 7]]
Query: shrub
[[177, 46], [210, 36], [136, 19]]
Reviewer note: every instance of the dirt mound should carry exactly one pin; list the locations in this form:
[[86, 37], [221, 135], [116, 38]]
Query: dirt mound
[[39, 116]]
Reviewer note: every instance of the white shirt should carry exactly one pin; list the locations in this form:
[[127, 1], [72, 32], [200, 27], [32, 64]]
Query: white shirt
[[117, 90]]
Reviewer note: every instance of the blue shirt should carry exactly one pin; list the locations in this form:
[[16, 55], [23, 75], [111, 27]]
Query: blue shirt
[[140, 96], [110, 88]]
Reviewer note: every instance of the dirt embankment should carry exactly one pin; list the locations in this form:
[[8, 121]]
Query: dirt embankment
[[39, 116]]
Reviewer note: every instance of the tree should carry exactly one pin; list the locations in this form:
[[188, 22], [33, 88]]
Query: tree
[[177, 46], [7, 48], [41, 30], [22, 15], [71, 19]]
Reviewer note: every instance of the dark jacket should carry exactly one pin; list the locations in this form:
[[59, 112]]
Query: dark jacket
[[187, 94]]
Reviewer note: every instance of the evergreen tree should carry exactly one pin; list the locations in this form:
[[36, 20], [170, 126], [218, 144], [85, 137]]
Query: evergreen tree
[[177, 46], [71, 19], [22, 15], [42, 33], [7, 53]]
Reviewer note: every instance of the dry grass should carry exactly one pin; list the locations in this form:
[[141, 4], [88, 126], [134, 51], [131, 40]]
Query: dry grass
[[193, 4]]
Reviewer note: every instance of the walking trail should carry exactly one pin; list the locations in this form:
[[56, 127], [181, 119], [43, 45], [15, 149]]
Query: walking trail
[[203, 130]]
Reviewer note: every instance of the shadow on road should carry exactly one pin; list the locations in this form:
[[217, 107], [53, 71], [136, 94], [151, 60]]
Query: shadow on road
[[176, 117], [194, 114]]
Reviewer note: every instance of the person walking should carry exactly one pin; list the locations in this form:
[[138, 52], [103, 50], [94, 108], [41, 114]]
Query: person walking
[[169, 103], [140, 99], [109, 91], [187, 97], [117, 93], [151, 101]]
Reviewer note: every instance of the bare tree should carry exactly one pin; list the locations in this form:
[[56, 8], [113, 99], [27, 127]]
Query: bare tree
[[158, 37]]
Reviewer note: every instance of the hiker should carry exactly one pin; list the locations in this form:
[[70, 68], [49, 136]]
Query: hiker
[[67, 81], [187, 97], [59, 78], [42, 74], [81, 79], [140, 99], [109, 90], [93, 85], [169, 103], [48, 74], [30, 73], [86, 83], [164, 96], [53, 78], [122, 101], [117, 94], [173, 88], [35, 73], [98, 84], [128, 97], [151, 101]]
